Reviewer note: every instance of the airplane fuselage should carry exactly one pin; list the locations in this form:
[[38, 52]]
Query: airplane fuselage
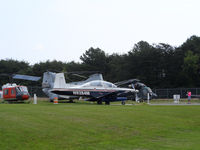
[[95, 93]]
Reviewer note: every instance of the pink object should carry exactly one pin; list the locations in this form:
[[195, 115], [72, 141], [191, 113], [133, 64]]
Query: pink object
[[189, 93]]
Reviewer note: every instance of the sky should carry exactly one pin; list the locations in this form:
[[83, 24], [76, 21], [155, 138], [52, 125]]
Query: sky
[[38, 30]]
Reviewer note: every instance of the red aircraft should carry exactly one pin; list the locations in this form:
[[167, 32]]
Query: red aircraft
[[13, 92]]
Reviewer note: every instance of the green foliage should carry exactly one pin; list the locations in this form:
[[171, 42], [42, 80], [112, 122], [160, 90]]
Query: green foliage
[[117, 68], [9, 67], [191, 62], [193, 44], [191, 67], [144, 64], [95, 59], [55, 66]]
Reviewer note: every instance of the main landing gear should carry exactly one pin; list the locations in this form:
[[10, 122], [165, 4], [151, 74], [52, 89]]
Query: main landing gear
[[99, 102], [123, 102], [107, 102]]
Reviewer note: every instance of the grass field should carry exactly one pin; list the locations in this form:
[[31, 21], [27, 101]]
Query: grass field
[[87, 126]]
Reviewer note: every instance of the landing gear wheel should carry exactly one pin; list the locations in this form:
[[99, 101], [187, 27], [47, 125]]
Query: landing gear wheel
[[107, 102], [99, 102], [123, 102]]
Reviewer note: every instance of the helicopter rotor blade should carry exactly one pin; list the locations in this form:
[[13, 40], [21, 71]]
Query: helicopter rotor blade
[[26, 77], [81, 76]]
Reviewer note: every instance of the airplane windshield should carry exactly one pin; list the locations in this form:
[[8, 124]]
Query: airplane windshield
[[93, 83], [108, 85], [100, 84]]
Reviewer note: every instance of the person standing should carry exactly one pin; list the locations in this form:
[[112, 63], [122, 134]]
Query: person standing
[[189, 94]]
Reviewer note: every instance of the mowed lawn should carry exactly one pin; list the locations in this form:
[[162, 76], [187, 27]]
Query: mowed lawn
[[90, 126]]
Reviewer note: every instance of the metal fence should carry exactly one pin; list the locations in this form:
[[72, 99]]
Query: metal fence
[[168, 93]]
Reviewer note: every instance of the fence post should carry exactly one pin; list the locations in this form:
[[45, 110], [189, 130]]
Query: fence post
[[181, 92], [167, 93]]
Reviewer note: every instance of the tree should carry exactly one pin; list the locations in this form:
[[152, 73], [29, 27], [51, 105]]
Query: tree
[[10, 66], [192, 44], [55, 66], [145, 63], [95, 59], [191, 68], [117, 68]]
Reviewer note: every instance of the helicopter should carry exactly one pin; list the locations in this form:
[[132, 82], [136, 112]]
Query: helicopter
[[14, 92]]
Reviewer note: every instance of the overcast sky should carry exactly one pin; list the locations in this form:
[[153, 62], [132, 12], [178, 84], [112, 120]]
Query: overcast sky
[[38, 30]]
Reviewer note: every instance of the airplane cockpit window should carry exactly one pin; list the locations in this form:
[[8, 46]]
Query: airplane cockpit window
[[96, 83], [100, 84], [108, 84], [93, 84]]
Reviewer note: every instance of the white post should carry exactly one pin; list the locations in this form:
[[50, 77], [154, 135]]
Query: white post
[[176, 99], [35, 99], [136, 98], [148, 97]]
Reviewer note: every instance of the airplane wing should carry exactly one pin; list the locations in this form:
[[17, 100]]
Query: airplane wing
[[107, 95], [97, 97]]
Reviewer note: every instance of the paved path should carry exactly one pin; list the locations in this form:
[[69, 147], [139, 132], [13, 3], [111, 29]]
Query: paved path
[[184, 104], [164, 104]]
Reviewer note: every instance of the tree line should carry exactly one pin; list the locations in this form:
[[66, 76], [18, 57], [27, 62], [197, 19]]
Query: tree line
[[157, 65]]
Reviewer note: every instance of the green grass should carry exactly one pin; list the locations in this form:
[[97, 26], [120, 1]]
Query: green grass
[[90, 126]]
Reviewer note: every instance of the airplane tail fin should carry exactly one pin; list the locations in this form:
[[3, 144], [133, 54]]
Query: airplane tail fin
[[53, 80], [59, 81]]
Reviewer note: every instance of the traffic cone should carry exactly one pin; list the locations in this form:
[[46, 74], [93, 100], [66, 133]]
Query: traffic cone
[[55, 101]]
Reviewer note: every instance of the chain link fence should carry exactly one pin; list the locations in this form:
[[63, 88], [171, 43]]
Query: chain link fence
[[162, 93], [168, 93]]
